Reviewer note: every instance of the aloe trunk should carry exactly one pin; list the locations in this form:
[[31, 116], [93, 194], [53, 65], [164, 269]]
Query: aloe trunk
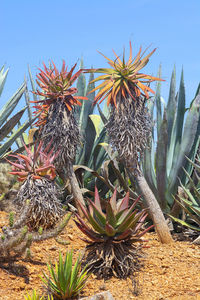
[[155, 210]]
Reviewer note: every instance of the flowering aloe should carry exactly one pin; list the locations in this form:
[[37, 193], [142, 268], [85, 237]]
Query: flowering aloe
[[113, 232]]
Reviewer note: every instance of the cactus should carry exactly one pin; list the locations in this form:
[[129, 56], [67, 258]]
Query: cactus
[[16, 240]]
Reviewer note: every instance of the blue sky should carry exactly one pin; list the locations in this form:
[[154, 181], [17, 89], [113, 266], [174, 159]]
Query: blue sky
[[35, 31]]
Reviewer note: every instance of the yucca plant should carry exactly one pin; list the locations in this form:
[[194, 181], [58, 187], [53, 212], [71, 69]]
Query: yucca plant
[[66, 281], [57, 121], [129, 125], [112, 234], [8, 133], [37, 172]]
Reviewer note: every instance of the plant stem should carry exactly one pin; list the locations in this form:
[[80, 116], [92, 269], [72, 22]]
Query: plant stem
[[155, 211]]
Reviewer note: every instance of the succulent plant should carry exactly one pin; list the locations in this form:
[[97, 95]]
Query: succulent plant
[[56, 120], [37, 164], [175, 137], [8, 133], [65, 281], [35, 296], [113, 232], [129, 126], [190, 203], [37, 172], [15, 239]]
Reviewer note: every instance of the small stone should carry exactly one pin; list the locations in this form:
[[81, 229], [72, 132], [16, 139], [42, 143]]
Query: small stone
[[53, 248], [70, 236], [101, 296]]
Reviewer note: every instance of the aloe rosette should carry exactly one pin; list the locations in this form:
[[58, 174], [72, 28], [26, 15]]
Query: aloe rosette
[[118, 223], [37, 172], [112, 235]]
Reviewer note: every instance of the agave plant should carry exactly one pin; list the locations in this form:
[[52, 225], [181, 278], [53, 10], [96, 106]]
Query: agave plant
[[37, 172], [9, 135], [176, 134], [92, 131], [129, 125], [65, 281], [111, 250], [190, 203]]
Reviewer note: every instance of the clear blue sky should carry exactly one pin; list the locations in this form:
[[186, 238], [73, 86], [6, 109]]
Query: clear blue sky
[[35, 31]]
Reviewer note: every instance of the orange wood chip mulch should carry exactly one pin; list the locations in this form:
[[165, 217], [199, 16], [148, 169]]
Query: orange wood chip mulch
[[169, 271]]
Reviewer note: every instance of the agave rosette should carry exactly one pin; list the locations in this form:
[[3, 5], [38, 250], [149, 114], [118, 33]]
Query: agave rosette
[[119, 223], [123, 78], [38, 163], [55, 86]]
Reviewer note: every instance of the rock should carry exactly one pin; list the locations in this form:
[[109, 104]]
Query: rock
[[100, 296], [197, 241]]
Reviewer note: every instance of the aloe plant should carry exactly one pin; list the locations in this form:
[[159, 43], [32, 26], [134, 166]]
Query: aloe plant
[[175, 135], [8, 133], [112, 233]]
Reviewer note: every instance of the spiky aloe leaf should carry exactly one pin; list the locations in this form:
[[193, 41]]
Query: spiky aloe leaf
[[110, 215], [196, 228], [161, 158]]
